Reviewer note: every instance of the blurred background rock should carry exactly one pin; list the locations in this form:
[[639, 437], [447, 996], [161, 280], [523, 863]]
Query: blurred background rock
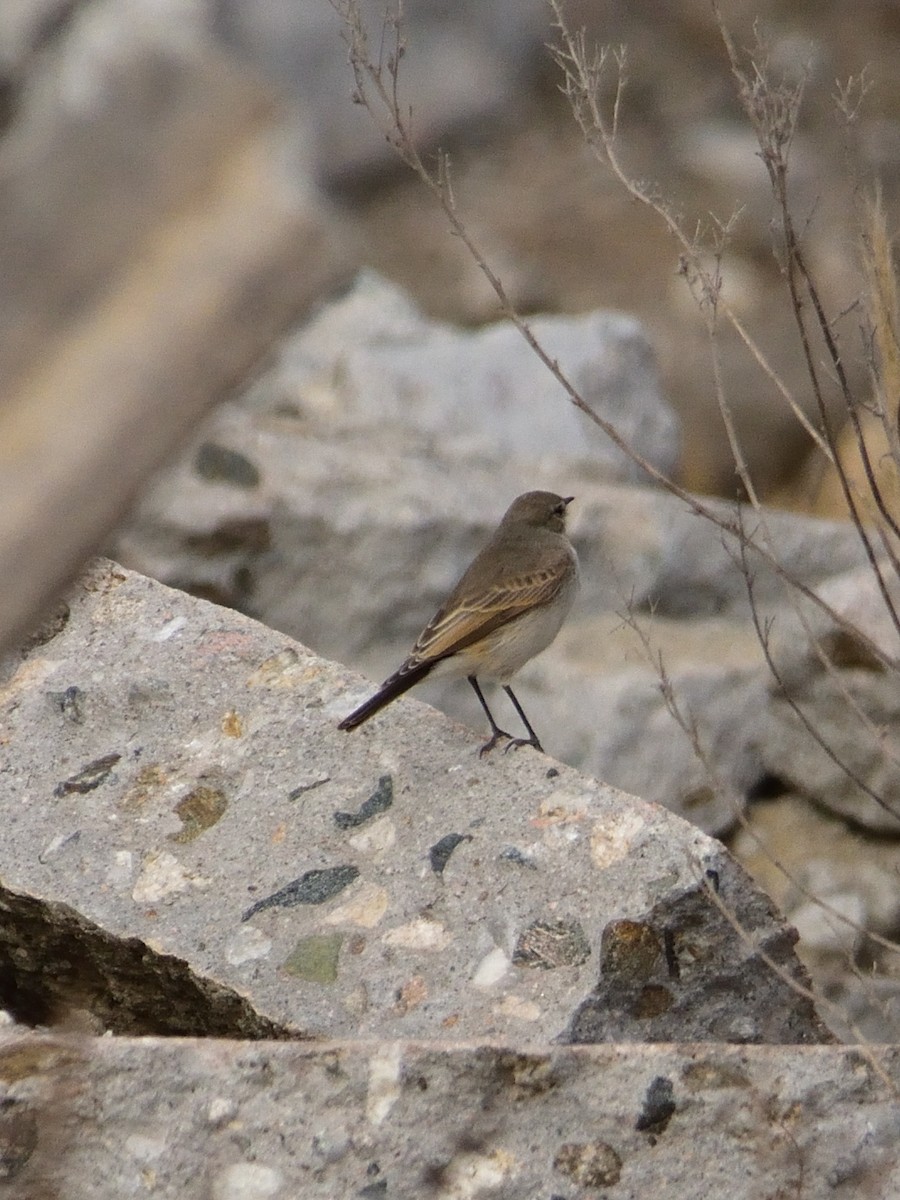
[[563, 235], [117, 122], [183, 182]]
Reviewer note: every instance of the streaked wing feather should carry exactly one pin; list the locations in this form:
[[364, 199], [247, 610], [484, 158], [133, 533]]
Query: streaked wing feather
[[458, 624]]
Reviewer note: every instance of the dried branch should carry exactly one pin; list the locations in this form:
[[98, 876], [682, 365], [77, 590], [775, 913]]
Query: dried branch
[[376, 87], [687, 723], [786, 977], [773, 110]]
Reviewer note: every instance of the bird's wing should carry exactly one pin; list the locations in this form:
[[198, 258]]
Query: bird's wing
[[466, 618]]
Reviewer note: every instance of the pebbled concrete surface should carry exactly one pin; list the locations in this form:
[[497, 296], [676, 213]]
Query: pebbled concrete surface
[[193, 847], [114, 1117]]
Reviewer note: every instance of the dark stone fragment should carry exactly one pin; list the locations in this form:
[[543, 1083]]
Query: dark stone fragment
[[380, 801], [659, 1105], [315, 887], [589, 1164], [439, 854], [88, 777], [69, 703], [514, 855], [315, 959], [373, 1190], [248, 535], [218, 464], [629, 950], [198, 811], [308, 786]]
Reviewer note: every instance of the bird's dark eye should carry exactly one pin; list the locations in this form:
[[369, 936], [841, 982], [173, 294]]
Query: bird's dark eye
[[560, 509]]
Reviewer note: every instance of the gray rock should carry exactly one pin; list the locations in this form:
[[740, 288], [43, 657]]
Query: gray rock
[[638, 744], [155, 246], [113, 1117], [371, 362], [463, 64], [841, 749], [195, 847], [839, 888], [365, 454], [377, 458], [837, 677], [700, 570]]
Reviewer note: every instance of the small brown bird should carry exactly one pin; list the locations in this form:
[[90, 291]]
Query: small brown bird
[[508, 606]]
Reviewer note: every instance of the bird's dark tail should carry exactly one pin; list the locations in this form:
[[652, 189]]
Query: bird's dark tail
[[400, 682]]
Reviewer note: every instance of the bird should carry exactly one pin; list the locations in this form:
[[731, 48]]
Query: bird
[[507, 607]]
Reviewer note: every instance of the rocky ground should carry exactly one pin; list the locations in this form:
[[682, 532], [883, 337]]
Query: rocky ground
[[565, 237], [370, 424], [339, 475]]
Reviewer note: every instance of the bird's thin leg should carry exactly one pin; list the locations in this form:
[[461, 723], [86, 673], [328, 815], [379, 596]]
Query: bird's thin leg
[[532, 739], [496, 732]]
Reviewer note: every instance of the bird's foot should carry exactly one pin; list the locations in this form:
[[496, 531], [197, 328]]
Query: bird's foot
[[492, 742], [515, 743]]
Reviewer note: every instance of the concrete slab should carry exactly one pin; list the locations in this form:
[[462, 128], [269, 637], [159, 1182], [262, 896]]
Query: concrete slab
[[193, 847]]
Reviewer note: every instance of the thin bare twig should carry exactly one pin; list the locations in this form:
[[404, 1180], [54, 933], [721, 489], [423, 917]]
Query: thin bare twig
[[584, 72], [686, 721], [785, 976], [376, 87], [772, 111]]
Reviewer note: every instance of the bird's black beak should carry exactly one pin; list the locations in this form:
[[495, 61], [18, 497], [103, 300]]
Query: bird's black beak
[[567, 500]]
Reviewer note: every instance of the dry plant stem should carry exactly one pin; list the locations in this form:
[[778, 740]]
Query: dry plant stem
[[398, 133], [377, 89], [583, 75], [762, 635], [773, 113], [820, 1001], [583, 90], [814, 643], [884, 304], [583, 71], [688, 726], [767, 368]]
